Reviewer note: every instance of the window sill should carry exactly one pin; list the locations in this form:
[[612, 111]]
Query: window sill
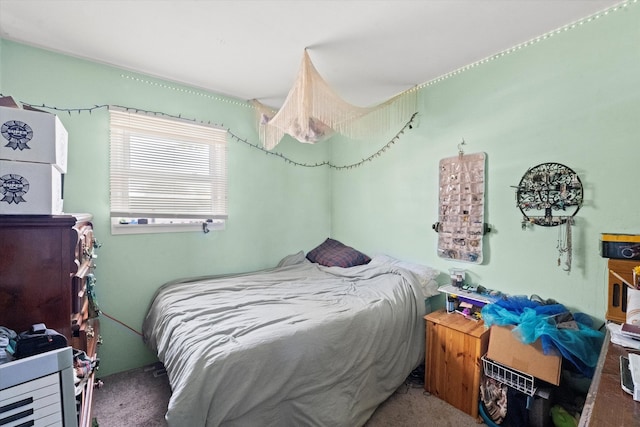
[[118, 229]]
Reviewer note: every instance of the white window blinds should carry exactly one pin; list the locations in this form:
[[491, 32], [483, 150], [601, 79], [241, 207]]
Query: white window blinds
[[164, 168]]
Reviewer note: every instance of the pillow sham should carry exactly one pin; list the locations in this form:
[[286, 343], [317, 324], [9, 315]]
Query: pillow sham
[[332, 253], [426, 275], [292, 259]]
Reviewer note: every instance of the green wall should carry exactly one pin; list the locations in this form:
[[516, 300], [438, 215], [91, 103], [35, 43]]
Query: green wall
[[275, 209], [573, 98]]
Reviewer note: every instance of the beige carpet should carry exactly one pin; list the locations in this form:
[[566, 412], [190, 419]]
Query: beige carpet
[[411, 406], [139, 398]]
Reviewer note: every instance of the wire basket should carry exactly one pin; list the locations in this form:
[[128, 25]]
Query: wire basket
[[513, 378]]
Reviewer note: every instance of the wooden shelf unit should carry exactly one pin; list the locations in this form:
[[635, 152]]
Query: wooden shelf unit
[[617, 289]]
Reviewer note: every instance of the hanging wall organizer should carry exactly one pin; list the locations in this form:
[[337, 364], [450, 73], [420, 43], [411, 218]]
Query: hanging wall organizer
[[461, 225], [551, 195]]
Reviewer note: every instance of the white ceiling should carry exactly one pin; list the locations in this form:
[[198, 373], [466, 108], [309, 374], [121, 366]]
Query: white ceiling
[[367, 50]]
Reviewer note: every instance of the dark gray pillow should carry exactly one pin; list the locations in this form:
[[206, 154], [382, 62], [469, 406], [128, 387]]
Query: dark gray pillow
[[333, 253]]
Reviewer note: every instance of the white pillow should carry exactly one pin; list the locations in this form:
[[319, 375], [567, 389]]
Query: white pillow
[[426, 275], [293, 259]]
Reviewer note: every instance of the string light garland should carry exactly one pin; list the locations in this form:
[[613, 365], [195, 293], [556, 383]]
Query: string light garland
[[565, 28], [185, 90], [408, 125], [392, 141], [592, 18]]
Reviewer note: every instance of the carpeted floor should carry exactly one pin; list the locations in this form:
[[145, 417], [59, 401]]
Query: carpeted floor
[[139, 398]]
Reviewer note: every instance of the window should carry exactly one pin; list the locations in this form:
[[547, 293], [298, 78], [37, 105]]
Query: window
[[166, 174]]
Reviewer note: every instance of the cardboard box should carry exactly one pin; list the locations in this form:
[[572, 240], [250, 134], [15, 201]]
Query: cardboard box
[[30, 189], [506, 349], [31, 136], [620, 246]]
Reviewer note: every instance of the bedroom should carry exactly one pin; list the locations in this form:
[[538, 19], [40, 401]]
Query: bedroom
[[572, 99]]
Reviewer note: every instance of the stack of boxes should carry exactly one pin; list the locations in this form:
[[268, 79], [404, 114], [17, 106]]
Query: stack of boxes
[[33, 159]]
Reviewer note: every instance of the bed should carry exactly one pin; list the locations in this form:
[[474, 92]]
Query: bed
[[301, 344]]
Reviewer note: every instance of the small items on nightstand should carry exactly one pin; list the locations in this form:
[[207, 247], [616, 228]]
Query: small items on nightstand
[[457, 277], [468, 300]]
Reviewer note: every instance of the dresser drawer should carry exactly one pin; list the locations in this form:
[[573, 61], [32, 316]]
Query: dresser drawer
[[86, 337], [84, 250]]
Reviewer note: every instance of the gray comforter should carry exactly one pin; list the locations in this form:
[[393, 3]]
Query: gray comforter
[[301, 345]]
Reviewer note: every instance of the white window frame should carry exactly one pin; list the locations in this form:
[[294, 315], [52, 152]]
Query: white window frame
[[166, 174]]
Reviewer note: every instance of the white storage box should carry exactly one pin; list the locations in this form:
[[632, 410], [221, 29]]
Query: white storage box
[[32, 136], [30, 189]]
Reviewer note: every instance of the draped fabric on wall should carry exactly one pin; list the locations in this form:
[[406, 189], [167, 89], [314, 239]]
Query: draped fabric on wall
[[312, 112]]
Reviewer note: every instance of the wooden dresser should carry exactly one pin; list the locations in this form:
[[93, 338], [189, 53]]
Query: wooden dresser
[[46, 275], [454, 347]]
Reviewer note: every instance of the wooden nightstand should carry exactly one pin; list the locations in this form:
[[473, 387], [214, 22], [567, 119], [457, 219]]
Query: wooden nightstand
[[454, 347]]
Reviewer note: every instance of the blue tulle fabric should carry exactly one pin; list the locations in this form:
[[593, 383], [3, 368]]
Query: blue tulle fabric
[[534, 320]]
